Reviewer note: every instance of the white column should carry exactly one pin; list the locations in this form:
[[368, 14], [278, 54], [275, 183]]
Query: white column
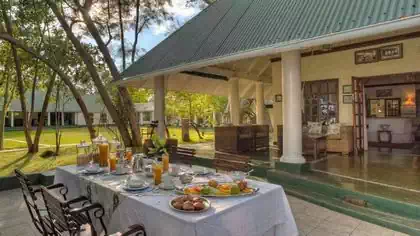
[[141, 118], [234, 101], [259, 97], [159, 101], [12, 119], [292, 115], [49, 119]]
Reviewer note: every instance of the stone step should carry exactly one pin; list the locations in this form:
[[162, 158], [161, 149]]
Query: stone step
[[395, 215]]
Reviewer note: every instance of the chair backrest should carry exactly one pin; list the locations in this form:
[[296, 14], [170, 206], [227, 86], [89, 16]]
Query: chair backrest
[[60, 218], [30, 198], [185, 155], [231, 162]]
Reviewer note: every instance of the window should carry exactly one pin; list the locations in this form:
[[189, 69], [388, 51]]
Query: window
[[147, 116], [321, 101], [104, 118], [392, 107], [384, 107]]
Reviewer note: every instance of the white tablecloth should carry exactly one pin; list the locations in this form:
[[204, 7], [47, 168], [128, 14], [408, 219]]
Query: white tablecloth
[[267, 213]]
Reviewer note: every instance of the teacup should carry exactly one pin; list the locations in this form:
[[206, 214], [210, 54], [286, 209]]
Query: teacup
[[148, 170], [185, 178], [174, 170], [168, 181]]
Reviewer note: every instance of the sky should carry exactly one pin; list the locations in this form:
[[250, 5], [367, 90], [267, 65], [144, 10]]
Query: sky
[[151, 37]]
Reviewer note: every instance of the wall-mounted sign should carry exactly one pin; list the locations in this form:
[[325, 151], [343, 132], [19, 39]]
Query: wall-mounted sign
[[384, 93], [384, 53], [366, 56], [278, 98], [347, 89], [347, 99], [391, 52]]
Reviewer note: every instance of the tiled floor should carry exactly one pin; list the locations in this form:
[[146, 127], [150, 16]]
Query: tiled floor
[[311, 219]]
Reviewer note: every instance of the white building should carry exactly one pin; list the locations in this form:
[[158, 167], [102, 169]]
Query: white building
[[71, 115]]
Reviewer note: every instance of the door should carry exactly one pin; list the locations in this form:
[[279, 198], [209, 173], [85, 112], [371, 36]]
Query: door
[[358, 116]]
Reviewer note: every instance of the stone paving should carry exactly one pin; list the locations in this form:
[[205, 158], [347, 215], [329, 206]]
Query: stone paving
[[311, 219]]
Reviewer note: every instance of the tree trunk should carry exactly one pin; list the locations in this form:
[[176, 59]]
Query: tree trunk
[[20, 83], [57, 125], [128, 104], [33, 94], [88, 60], [121, 33], [66, 79], [5, 107], [41, 122], [136, 32]]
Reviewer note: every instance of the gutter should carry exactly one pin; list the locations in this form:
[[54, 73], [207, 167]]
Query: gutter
[[371, 30]]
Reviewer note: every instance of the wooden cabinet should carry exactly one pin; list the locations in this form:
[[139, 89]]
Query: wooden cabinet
[[241, 139]]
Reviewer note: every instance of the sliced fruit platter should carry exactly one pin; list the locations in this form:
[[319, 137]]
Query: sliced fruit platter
[[215, 189]]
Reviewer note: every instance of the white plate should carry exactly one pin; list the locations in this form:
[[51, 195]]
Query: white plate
[[128, 188], [161, 186], [92, 171], [206, 203], [201, 171]]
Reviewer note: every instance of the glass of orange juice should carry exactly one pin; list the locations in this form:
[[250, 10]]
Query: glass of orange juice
[[112, 163], [165, 162], [157, 172], [128, 154], [103, 154]]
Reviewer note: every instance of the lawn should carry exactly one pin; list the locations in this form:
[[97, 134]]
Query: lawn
[[34, 163], [75, 135]]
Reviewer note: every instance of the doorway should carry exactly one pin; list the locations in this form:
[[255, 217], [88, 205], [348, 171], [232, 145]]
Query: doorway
[[386, 112]]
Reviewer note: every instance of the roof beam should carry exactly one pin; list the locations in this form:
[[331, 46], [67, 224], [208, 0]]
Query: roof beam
[[231, 73], [252, 65], [264, 68]]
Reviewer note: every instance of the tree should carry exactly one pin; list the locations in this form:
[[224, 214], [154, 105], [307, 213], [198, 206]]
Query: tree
[[19, 79]]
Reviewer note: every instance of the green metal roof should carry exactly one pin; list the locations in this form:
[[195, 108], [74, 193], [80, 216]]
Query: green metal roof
[[233, 26]]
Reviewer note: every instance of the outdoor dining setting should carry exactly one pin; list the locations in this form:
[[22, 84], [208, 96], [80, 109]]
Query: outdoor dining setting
[[152, 195]]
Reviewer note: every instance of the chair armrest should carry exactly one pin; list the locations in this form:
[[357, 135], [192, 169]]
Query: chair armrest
[[137, 228], [77, 200], [63, 189], [53, 186], [93, 206]]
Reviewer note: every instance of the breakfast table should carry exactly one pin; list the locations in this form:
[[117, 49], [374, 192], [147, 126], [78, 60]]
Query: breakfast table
[[265, 213]]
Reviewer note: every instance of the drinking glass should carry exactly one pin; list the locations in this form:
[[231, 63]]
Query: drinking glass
[[157, 172], [103, 154], [165, 162], [128, 154], [112, 163]]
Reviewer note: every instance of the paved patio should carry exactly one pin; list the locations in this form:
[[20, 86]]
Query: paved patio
[[311, 219]]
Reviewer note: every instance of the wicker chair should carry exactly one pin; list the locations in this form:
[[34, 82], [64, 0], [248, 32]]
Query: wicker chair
[[38, 215]]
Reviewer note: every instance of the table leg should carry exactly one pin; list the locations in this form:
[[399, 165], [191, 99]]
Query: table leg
[[316, 149]]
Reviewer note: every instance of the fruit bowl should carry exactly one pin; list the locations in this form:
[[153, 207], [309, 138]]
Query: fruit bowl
[[192, 204]]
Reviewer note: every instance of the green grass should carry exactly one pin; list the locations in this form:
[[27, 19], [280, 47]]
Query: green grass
[[29, 163], [34, 163], [75, 135]]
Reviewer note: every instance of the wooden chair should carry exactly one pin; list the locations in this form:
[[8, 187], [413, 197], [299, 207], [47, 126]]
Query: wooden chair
[[184, 155], [38, 215], [231, 162]]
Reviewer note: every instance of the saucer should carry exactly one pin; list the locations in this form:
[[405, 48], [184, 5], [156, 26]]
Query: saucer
[[126, 187], [161, 186]]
